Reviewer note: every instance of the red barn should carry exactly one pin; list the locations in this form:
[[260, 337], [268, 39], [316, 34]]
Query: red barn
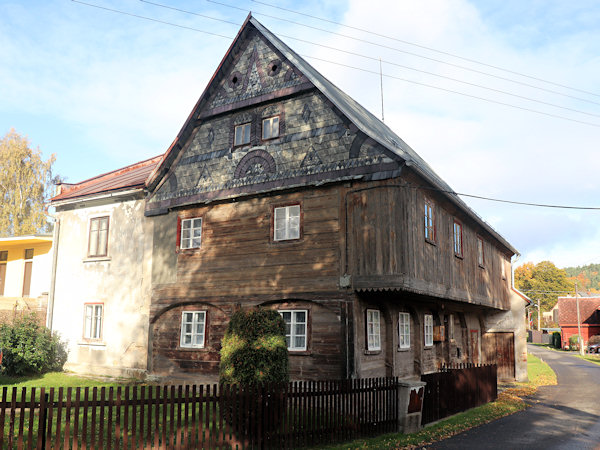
[[589, 312]]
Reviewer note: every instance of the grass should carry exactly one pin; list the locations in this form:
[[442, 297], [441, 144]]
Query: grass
[[510, 400], [56, 380]]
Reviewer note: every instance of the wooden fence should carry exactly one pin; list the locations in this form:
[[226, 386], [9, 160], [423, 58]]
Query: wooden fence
[[457, 388], [293, 415]]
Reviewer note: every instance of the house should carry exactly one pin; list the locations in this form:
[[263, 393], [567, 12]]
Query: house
[[101, 293], [281, 191], [551, 316], [589, 318], [25, 263]]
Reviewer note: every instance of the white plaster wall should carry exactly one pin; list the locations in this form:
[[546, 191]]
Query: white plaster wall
[[40, 272], [121, 281]]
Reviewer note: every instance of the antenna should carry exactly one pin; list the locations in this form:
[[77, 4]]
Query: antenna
[[381, 87]]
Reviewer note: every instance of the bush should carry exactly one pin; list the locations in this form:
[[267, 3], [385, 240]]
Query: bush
[[556, 339], [29, 348], [594, 340], [254, 349], [574, 342]]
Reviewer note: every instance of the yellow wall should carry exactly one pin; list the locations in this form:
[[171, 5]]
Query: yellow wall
[[41, 268]]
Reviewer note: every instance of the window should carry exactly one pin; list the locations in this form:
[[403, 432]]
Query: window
[[270, 128], [295, 329], [98, 242], [428, 330], [92, 327], [4, 256], [27, 269], [287, 223], [373, 330], [480, 252], [458, 246], [193, 326], [242, 134], [191, 233], [404, 330], [429, 221], [3, 260], [451, 327], [503, 263]]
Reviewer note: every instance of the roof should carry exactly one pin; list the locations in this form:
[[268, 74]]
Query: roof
[[25, 240], [588, 310], [126, 178], [528, 301], [360, 116]]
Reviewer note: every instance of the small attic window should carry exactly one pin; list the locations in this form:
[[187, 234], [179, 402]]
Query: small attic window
[[274, 67], [234, 79]]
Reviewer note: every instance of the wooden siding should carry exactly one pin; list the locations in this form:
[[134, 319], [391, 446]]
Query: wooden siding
[[387, 248]]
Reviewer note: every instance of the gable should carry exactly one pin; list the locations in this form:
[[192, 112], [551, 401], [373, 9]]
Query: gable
[[316, 143]]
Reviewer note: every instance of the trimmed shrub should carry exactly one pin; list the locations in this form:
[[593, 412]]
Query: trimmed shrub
[[29, 348], [574, 342], [254, 349], [556, 339], [594, 340]]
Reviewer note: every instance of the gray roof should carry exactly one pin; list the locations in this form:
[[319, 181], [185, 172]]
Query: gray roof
[[375, 128]]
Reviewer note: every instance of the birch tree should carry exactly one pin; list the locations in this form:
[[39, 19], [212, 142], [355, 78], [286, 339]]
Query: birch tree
[[26, 183]]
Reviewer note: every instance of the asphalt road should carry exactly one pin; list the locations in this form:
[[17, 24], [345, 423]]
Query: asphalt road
[[566, 416]]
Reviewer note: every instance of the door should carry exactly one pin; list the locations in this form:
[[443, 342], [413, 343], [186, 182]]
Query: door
[[2, 277], [474, 346], [500, 350], [27, 278]]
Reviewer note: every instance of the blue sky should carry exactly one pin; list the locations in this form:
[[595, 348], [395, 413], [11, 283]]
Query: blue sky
[[102, 90]]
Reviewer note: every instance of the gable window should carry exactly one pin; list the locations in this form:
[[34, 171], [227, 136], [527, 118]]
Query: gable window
[[191, 233], [373, 330], [480, 252], [286, 223], [98, 239], [429, 221], [270, 128], [242, 134], [295, 328], [92, 322], [458, 240], [404, 330], [428, 329], [193, 327]]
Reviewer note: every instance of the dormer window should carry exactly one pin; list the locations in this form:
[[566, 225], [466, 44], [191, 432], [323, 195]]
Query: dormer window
[[270, 128], [242, 134]]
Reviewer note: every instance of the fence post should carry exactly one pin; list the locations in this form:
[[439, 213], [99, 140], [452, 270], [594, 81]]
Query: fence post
[[43, 419]]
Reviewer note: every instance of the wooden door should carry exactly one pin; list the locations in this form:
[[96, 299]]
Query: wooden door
[[27, 278], [2, 277], [499, 349], [474, 346]]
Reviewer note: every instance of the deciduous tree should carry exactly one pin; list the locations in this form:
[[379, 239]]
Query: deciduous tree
[[26, 183]]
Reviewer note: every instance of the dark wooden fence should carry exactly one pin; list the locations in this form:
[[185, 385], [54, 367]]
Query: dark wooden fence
[[457, 388], [293, 415]]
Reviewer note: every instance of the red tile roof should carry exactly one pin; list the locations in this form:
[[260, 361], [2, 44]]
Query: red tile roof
[[588, 310], [130, 177]]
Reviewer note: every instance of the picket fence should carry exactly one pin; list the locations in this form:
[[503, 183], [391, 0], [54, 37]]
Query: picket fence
[[294, 415]]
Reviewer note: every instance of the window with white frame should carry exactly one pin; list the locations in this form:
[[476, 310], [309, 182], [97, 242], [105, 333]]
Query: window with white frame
[[404, 330], [429, 221], [286, 223], [295, 328], [480, 252], [458, 240], [191, 233], [242, 134], [373, 330], [270, 128], [92, 321], [428, 329], [193, 327], [98, 237]]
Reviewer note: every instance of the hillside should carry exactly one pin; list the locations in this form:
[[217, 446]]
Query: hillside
[[588, 277]]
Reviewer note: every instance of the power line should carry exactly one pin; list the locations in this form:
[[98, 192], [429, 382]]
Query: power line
[[378, 59], [349, 66], [423, 47]]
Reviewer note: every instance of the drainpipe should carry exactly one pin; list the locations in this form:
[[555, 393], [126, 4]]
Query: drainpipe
[[50, 309]]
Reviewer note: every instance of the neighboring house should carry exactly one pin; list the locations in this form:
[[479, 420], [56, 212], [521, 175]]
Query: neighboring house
[[551, 316], [589, 317], [101, 295], [25, 263], [281, 191]]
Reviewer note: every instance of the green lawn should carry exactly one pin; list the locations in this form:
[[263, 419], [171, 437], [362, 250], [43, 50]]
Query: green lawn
[[56, 380], [510, 401]]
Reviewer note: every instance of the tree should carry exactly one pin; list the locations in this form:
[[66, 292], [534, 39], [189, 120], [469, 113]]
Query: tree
[[26, 183], [544, 282]]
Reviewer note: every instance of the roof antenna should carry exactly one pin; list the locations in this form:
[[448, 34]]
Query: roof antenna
[[381, 86]]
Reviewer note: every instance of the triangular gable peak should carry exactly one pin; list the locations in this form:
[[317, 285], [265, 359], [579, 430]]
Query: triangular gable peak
[[257, 80]]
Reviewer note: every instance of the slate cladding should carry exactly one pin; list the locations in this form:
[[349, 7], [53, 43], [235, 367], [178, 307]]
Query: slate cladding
[[314, 144]]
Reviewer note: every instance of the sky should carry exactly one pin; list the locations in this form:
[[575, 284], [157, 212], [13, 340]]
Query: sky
[[500, 97]]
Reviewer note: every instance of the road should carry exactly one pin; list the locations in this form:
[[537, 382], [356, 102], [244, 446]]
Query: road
[[566, 416]]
